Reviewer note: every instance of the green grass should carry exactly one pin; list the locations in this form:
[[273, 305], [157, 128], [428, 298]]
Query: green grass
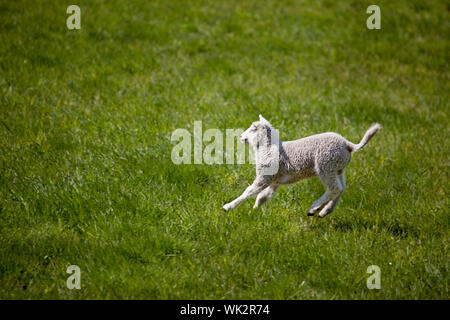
[[86, 176]]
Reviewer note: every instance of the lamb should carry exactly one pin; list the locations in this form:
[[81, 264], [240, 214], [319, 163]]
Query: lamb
[[284, 162]]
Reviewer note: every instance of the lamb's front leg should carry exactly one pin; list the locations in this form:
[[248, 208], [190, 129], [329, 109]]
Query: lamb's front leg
[[256, 187]]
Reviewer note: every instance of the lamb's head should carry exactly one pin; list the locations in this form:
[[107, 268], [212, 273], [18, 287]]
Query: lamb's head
[[259, 133]]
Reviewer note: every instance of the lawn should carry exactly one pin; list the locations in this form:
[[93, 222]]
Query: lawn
[[86, 176]]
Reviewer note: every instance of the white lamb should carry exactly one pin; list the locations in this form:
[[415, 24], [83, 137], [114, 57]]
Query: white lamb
[[277, 163]]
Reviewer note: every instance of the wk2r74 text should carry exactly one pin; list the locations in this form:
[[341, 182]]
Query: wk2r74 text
[[228, 309]]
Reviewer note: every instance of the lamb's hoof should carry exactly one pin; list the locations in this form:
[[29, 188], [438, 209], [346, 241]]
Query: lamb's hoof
[[311, 213], [324, 214]]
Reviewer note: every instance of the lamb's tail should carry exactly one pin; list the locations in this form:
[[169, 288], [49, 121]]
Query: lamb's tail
[[367, 136]]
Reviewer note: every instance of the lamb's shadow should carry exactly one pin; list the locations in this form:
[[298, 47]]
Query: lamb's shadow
[[395, 228]]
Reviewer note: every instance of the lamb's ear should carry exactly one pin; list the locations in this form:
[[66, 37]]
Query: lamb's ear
[[261, 118]]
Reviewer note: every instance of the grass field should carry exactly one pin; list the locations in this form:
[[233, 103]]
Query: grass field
[[86, 176]]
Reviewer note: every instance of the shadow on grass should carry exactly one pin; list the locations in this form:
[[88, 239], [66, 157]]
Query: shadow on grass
[[395, 228]]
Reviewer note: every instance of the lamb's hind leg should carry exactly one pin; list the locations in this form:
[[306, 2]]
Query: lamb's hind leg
[[265, 195], [319, 203], [331, 205], [334, 189]]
